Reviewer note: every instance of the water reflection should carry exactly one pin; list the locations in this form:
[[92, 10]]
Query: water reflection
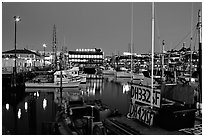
[[94, 87], [26, 106], [7, 106], [44, 103], [126, 88], [27, 114], [19, 113]]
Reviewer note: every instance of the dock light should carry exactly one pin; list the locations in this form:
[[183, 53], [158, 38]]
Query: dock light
[[38, 94], [26, 106], [192, 79], [44, 45], [44, 103], [7, 106], [16, 19], [19, 113]]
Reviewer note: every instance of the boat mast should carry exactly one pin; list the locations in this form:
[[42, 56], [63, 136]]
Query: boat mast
[[162, 68], [131, 41], [199, 27], [54, 42], [152, 79], [191, 44]]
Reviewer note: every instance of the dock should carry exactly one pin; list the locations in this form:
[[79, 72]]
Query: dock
[[142, 129]]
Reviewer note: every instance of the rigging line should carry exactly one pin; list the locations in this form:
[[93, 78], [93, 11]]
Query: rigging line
[[196, 35], [184, 37]]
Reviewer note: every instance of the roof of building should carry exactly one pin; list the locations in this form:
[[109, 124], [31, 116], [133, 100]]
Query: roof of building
[[20, 51], [86, 52]]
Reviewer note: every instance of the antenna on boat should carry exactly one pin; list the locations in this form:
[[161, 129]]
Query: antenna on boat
[[131, 40], [152, 79]]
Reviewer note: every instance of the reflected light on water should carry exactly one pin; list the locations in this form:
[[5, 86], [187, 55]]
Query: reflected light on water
[[126, 88], [44, 103], [19, 113], [38, 94], [26, 106], [92, 90], [7, 106]]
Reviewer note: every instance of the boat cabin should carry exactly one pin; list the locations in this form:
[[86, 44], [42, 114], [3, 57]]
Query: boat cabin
[[65, 77], [73, 71]]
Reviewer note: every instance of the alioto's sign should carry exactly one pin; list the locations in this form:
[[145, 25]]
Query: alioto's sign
[[143, 95]]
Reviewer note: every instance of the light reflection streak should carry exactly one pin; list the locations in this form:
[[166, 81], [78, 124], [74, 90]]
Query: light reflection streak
[[19, 113], [44, 103], [7, 106], [26, 106]]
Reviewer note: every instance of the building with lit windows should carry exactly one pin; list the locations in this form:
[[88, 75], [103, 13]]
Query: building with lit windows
[[25, 60], [86, 57]]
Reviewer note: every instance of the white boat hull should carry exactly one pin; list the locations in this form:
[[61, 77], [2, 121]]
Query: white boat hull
[[108, 72], [83, 80], [123, 74], [52, 85], [138, 76]]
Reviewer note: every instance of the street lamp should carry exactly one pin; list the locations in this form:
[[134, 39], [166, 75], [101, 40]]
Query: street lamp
[[44, 45], [16, 19]]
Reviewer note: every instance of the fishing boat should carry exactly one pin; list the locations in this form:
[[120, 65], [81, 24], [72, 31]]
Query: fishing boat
[[77, 74], [76, 117], [123, 74], [129, 74], [109, 71], [61, 79], [169, 106]]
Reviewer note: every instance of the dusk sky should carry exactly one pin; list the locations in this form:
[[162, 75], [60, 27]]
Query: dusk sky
[[105, 25]]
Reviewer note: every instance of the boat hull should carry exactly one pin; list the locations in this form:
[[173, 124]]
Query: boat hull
[[52, 85], [108, 72], [138, 76], [123, 75]]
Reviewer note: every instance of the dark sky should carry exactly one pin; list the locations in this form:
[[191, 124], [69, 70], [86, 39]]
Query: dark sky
[[104, 25]]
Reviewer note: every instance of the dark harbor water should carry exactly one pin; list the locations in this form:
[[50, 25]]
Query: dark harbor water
[[29, 112]]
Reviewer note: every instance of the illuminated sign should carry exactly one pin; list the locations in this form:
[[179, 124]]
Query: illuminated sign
[[143, 95]]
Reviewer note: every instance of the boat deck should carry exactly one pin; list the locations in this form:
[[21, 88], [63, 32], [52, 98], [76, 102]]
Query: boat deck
[[146, 130], [51, 85]]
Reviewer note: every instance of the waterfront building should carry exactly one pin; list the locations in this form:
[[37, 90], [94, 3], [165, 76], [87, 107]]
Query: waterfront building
[[86, 57], [25, 61], [140, 61]]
